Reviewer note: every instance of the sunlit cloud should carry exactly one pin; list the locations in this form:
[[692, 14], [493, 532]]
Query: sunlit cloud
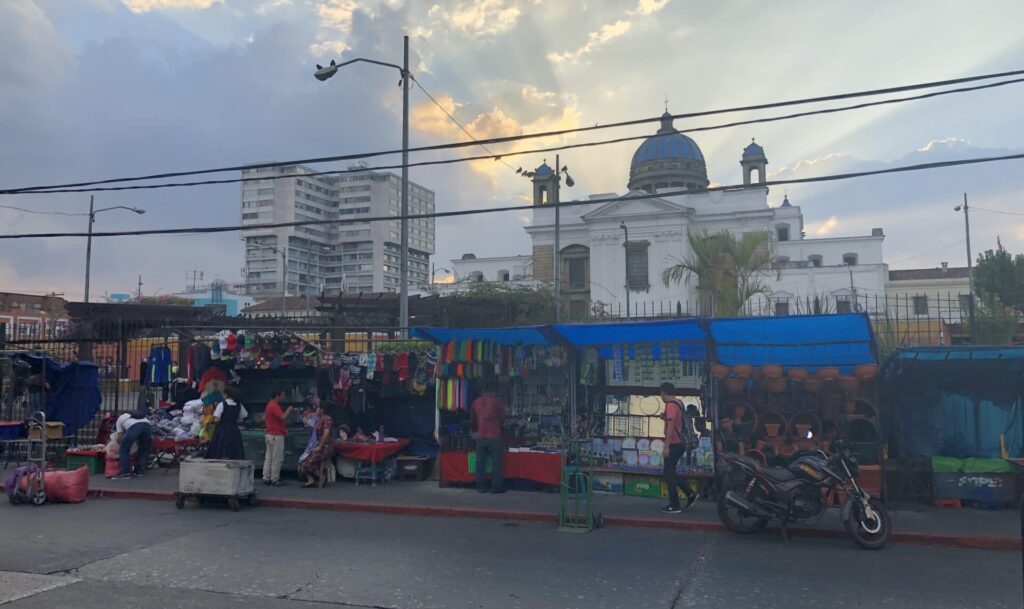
[[646, 7], [826, 227], [144, 6], [477, 18], [607, 33]]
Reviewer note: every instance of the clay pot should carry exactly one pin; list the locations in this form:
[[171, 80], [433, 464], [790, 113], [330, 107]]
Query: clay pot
[[797, 374], [756, 455], [742, 371], [777, 385], [719, 371], [759, 445], [801, 430], [735, 385], [789, 449], [866, 372], [739, 411], [804, 421], [849, 384], [812, 385], [771, 371], [772, 429], [828, 373]]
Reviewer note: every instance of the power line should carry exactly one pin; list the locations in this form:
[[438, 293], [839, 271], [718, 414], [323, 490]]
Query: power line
[[981, 209], [42, 213], [459, 125], [932, 251], [505, 139], [470, 212], [560, 148]]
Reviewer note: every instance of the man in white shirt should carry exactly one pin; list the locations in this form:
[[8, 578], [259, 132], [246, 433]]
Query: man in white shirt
[[132, 429]]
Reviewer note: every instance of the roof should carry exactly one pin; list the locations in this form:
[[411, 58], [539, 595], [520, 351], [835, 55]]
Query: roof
[[667, 146], [955, 272], [543, 170], [292, 303], [753, 149]]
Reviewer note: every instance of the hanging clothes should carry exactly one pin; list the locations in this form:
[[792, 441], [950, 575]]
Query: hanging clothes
[[159, 365]]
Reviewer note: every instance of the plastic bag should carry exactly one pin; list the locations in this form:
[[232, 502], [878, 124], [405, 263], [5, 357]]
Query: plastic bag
[[67, 487]]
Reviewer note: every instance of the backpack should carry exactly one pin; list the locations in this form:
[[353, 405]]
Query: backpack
[[688, 435]]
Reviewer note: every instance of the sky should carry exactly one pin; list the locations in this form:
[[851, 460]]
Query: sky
[[111, 88]]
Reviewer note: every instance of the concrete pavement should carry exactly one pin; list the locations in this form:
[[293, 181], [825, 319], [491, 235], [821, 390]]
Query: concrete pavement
[[143, 553]]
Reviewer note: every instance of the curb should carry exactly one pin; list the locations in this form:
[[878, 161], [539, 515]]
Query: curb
[[974, 542]]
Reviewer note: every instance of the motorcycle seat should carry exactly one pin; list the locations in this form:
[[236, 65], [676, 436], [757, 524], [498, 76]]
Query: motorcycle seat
[[779, 474]]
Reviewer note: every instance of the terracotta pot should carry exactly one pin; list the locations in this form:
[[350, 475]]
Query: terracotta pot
[[771, 371], [739, 411], [719, 371], [735, 385], [772, 429], [742, 371], [850, 384], [789, 449], [812, 385], [755, 373], [801, 431], [756, 455], [804, 421], [828, 373], [759, 445], [866, 372], [797, 374], [777, 385]]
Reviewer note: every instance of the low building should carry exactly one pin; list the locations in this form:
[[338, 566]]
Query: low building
[[28, 316], [939, 293]]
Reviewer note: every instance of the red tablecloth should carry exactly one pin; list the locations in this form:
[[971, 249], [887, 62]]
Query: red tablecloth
[[374, 453], [163, 443], [540, 467]]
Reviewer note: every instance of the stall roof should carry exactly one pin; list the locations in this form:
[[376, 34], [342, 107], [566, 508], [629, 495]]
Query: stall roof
[[961, 353], [676, 330], [527, 335], [807, 341]]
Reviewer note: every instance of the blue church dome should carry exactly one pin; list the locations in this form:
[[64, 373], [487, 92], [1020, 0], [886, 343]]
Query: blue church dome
[[686, 169], [543, 170], [753, 149], [667, 144]]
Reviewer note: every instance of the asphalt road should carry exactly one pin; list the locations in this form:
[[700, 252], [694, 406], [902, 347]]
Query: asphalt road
[[113, 554]]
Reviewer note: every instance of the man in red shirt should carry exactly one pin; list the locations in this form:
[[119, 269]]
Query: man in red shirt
[[487, 416], [276, 432], [679, 440]]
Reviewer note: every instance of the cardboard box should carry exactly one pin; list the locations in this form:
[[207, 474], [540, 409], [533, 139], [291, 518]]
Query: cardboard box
[[54, 431]]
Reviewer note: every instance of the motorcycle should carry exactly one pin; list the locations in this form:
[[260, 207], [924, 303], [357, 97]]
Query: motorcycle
[[754, 494]]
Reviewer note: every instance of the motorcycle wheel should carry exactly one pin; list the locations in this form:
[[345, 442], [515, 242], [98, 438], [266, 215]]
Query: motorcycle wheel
[[870, 533], [736, 519]]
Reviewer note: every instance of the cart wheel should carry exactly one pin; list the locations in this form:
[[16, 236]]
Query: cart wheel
[[179, 501], [252, 500], [233, 504], [39, 498]]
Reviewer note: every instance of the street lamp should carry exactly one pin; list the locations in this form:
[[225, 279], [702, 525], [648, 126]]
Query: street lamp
[[970, 266], [323, 73], [88, 243], [625, 248], [433, 272]]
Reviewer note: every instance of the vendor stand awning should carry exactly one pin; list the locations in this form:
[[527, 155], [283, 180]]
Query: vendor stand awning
[[805, 341]]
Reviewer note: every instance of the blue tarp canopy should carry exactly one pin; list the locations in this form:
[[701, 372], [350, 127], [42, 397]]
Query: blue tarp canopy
[[74, 397], [686, 331], [806, 341], [527, 335]]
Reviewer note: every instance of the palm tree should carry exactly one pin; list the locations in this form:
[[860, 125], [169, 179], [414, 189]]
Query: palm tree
[[729, 271]]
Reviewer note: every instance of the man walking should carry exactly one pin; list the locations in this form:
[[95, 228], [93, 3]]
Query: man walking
[[679, 440], [277, 430], [487, 415], [132, 429]]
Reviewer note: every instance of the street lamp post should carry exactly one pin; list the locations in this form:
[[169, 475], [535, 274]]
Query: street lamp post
[[323, 73], [970, 266], [625, 249], [88, 243]]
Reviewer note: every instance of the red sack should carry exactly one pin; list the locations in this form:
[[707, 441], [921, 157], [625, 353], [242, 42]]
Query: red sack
[[112, 467], [67, 487]]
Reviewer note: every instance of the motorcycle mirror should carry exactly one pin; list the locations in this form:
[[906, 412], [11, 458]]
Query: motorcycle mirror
[[810, 434]]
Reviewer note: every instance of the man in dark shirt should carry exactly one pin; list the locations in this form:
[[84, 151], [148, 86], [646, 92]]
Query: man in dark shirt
[[487, 415]]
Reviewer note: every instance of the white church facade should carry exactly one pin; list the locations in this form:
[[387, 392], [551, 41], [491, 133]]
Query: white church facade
[[604, 272]]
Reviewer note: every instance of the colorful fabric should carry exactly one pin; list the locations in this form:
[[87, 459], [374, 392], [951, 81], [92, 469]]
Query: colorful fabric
[[323, 450]]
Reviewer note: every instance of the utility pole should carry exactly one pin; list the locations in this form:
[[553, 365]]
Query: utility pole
[[88, 248], [970, 267], [195, 275], [558, 244], [139, 293], [625, 249]]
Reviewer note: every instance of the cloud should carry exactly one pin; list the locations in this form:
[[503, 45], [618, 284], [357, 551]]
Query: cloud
[[607, 33], [144, 6], [647, 7], [826, 227], [477, 18], [31, 53]]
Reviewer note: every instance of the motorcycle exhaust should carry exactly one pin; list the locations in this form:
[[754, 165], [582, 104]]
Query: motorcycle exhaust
[[741, 502]]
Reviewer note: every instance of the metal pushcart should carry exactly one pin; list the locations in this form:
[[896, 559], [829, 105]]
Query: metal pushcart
[[221, 478], [30, 483]]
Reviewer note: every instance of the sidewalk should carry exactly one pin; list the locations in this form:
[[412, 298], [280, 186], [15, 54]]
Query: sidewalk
[[965, 528]]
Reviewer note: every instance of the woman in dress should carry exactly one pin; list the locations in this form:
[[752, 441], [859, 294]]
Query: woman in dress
[[319, 451], [227, 438]]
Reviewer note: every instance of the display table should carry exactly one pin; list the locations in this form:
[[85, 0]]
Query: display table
[[545, 468], [373, 452]]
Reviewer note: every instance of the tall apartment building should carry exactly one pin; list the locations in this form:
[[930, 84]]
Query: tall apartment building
[[357, 256]]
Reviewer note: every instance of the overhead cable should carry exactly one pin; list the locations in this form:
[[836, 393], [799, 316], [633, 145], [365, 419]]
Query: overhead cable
[[472, 212], [560, 148], [513, 138]]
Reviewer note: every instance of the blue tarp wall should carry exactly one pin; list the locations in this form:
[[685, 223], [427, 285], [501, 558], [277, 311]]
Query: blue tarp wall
[[74, 391], [956, 401]]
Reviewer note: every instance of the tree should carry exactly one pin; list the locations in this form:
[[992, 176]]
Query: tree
[[999, 278], [729, 271]]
